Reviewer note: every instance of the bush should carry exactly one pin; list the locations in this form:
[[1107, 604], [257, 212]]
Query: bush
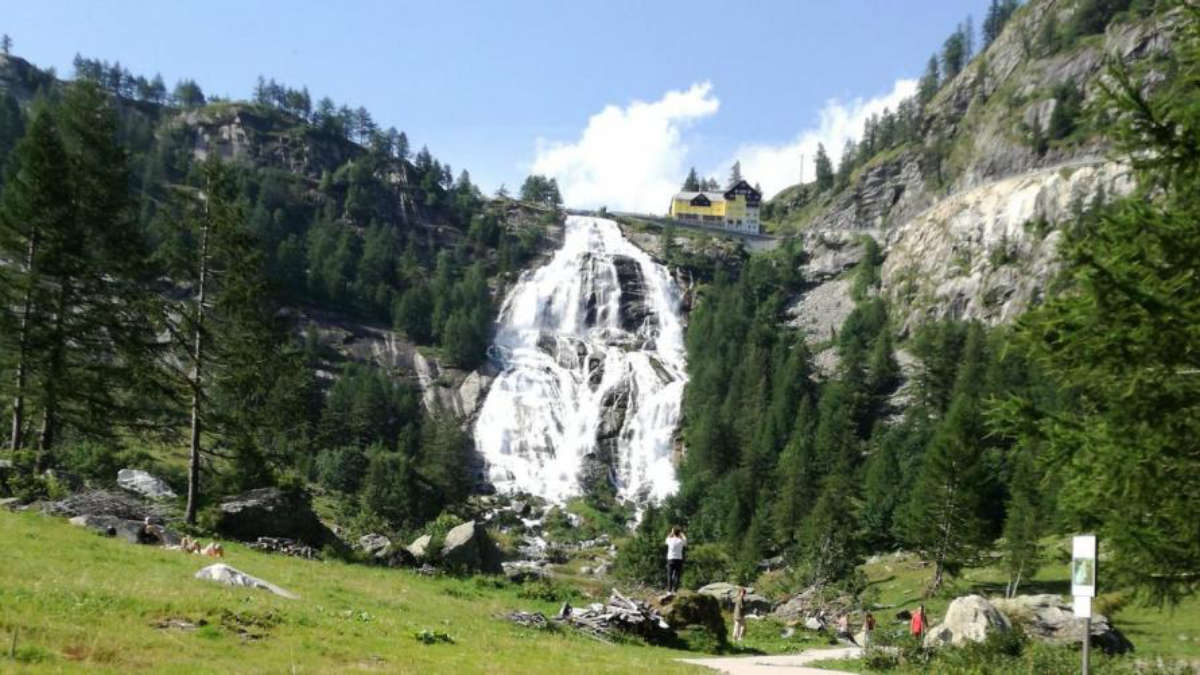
[[547, 590], [705, 564]]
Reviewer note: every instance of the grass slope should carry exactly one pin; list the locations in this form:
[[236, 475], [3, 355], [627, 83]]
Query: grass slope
[[77, 600]]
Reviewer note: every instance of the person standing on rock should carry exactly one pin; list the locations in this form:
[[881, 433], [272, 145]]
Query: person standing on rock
[[675, 543], [739, 616], [919, 623]]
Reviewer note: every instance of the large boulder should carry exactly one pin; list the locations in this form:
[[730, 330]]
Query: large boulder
[[697, 619], [224, 574], [374, 544], [122, 528], [524, 570], [469, 548], [271, 512], [144, 484], [1051, 619], [726, 593], [103, 503], [419, 548], [970, 617]]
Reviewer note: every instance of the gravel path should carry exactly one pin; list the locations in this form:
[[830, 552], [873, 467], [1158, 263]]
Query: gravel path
[[787, 664]]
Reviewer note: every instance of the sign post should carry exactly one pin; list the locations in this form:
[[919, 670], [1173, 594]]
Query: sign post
[[1083, 585]]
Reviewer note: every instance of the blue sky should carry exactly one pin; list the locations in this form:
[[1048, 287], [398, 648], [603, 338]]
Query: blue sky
[[499, 88]]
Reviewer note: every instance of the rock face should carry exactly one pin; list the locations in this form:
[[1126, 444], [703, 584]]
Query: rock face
[[970, 617], [224, 574], [988, 252], [144, 484], [468, 547], [1049, 618], [726, 593], [271, 512]]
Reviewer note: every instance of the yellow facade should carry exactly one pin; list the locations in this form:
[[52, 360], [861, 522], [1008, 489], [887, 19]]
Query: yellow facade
[[735, 208]]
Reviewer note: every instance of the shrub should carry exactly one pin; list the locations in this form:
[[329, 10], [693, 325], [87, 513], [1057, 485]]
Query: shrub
[[547, 590], [706, 563]]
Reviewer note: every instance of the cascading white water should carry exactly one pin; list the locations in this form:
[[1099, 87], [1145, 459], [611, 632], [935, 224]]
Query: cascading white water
[[590, 348]]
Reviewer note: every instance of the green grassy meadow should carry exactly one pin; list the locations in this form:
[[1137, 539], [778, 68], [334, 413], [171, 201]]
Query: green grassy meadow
[[76, 600]]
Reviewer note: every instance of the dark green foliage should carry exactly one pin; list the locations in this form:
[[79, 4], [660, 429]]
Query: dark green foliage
[[643, 558], [824, 169], [1121, 340], [1092, 16], [692, 182], [930, 81], [541, 190]]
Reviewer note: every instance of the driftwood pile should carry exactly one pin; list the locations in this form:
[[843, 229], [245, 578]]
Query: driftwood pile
[[603, 620], [285, 546]]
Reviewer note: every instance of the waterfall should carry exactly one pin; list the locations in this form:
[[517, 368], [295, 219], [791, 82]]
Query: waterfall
[[592, 368]]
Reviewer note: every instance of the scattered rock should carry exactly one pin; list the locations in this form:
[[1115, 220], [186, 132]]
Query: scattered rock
[[524, 570], [374, 544], [970, 617], [468, 547], [816, 602], [814, 623], [285, 546], [144, 484], [419, 547], [1051, 619], [224, 574], [271, 512]]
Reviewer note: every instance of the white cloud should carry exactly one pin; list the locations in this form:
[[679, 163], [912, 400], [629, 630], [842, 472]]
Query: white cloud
[[629, 158], [778, 166]]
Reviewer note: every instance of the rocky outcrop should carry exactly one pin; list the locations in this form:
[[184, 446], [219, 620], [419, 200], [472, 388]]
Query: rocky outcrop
[[814, 602], [634, 311], [271, 512], [1051, 619], [969, 618], [689, 612], [224, 574], [469, 548], [132, 531], [144, 484], [988, 253], [104, 503], [726, 593]]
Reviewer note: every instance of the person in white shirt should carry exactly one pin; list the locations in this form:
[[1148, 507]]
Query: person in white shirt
[[675, 543]]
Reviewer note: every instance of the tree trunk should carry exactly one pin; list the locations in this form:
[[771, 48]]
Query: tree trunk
[[197, 373], [54, 376], [18, 415]]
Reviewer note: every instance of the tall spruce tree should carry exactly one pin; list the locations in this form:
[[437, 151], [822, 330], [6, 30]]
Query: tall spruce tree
[[941, 519], [824, 169], [1124, 337]]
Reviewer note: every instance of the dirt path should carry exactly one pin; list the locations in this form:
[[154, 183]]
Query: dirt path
[[787, 664]]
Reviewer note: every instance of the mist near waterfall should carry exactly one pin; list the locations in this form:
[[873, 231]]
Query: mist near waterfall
[[592, 360]]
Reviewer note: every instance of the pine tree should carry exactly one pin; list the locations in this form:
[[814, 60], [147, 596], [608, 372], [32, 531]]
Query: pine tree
[[692, 182], [36, 224], [829, 546], [824, 169], [1022, 524], [1122, 337], [930, 81], [941, 519], [735, 174]]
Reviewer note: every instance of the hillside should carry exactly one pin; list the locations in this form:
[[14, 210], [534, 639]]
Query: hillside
[[966, 205]]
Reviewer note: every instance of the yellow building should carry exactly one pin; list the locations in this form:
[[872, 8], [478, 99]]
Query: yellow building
[[734, 209]]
